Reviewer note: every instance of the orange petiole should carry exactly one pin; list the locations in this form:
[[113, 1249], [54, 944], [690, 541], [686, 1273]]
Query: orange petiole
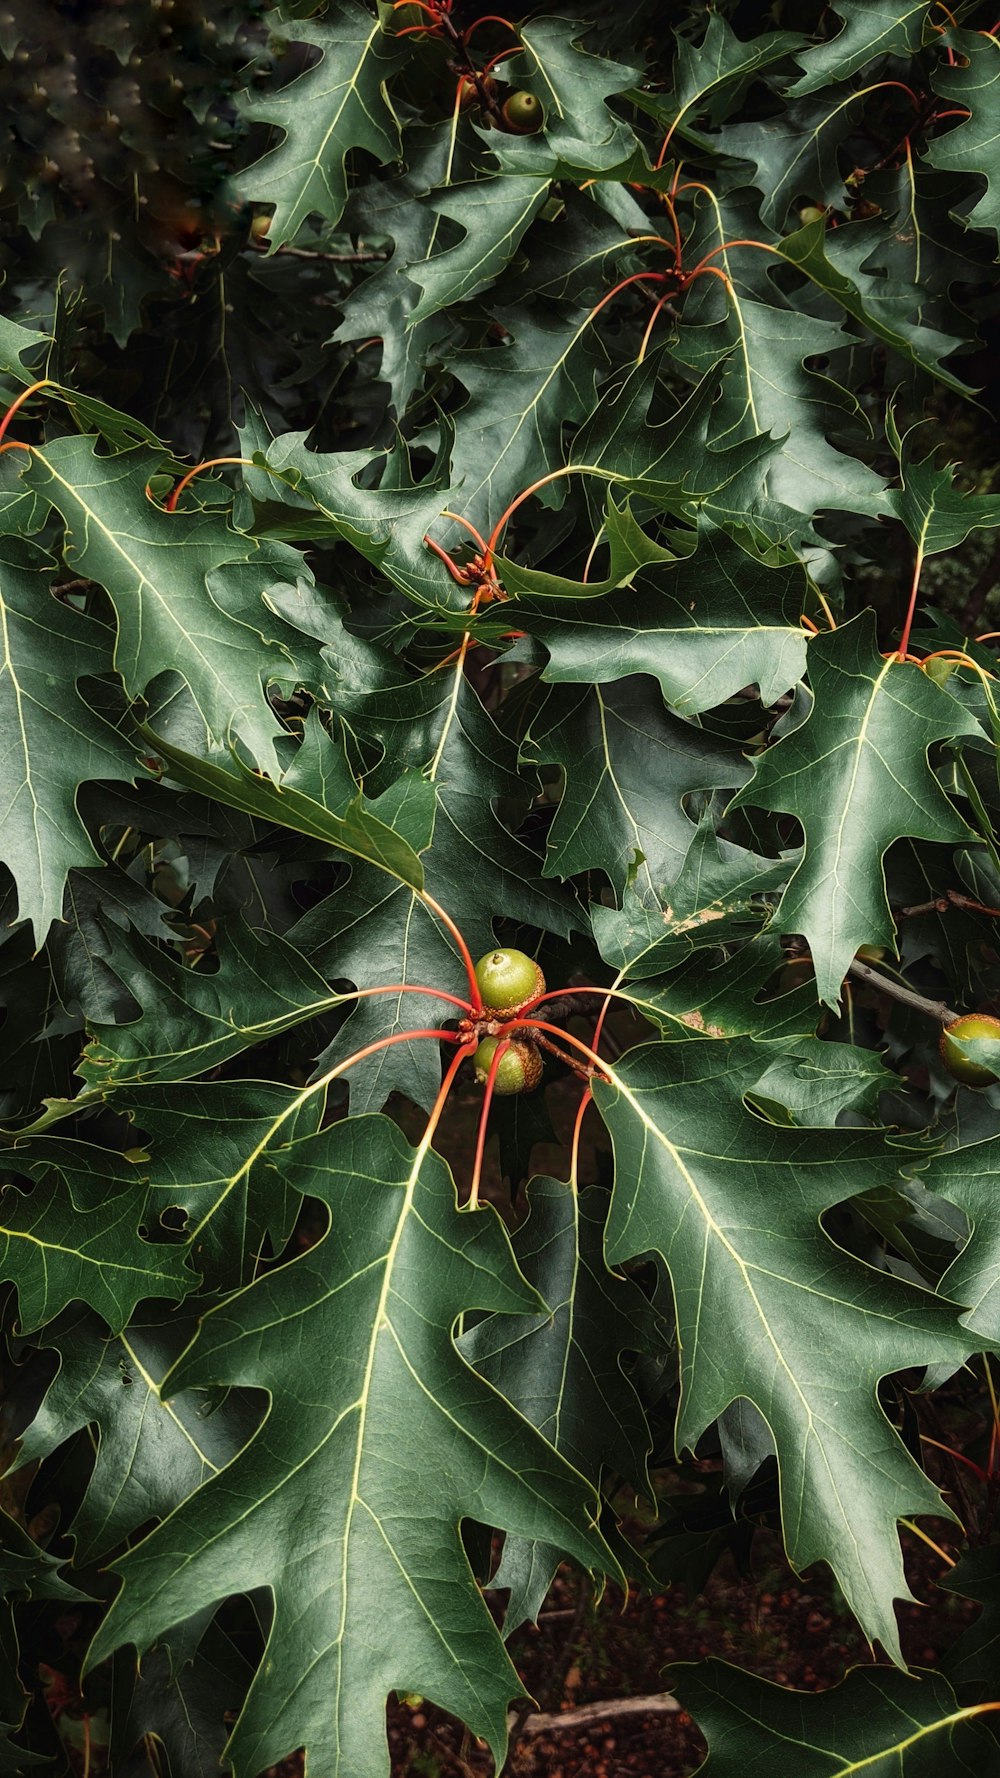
[[957, 1455], [491, 18], [498, 1054], [445, 1088], [407, 988], [463, 949], [453, 568], [209, 463], [32, 389], [651, 323]]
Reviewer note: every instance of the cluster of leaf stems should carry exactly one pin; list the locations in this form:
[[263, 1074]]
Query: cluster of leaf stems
[[479, 574]]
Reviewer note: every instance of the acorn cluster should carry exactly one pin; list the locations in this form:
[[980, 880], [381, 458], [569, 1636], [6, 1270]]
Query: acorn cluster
[[508, 980]]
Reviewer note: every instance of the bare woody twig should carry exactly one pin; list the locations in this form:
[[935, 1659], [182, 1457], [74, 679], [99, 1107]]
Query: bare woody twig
[[885, 984], [942, 904], [547, 1722]]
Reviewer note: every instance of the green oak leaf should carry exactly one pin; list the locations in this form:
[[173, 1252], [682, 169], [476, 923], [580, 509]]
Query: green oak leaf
[[677, 461], [844, 263], [186, 587], [183, 1705], [338, 104], [704, 625], [768, 1308], [970, 145], [815, 1080], [495, 214], [509, 431], [938, 515], [80, 947], [28, 1570], [15, 342], [383, 304], [22, 513], [711, 77], [967, 1175], [627, 766], [386, 524], [856, 775], [704, 962], [870, 28], [875, 1721], [315, 794], [151, 1454], [970, 1664], [769, 396], [562, 1369], [573, 85], [211, 1154], [55, 1254], [384, 1542], [193, 1020], [796, 152], [55, 742]]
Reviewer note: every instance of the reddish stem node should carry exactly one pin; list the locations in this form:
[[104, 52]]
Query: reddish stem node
[[453, 568]]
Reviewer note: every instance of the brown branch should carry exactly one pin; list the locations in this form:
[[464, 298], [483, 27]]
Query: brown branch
[[585, 1070], [545, 1722], [942, 904], [884, 984]]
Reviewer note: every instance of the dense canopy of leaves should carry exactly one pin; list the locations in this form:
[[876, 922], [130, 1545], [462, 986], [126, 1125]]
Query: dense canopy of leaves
[[422, 531]]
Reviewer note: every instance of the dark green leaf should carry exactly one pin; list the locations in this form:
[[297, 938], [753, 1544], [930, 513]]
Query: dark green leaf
[[383, 1541], [857, 776]]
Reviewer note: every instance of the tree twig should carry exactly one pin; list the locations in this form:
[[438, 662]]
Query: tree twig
[[545, 1722], [942, 904], [884, 984]]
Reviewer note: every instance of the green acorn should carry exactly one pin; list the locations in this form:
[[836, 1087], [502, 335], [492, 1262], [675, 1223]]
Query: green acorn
[[520, 1068], [507, 979]]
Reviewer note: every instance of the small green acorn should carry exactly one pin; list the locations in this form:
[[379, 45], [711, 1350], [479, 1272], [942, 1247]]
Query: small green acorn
[[519, 1070], [523, 114], [970, 1025], [507, 979]]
